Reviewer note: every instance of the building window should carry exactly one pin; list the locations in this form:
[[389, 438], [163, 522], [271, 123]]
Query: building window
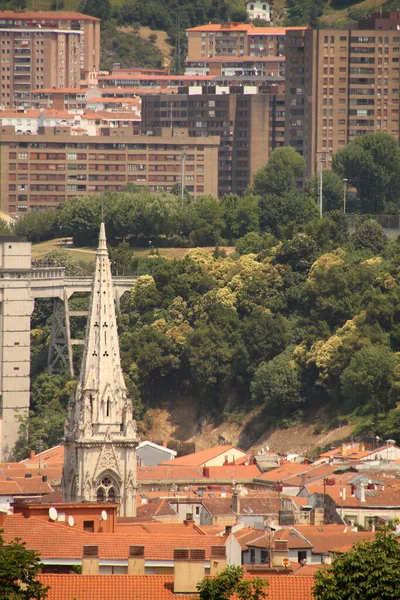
[[302, 556], [71, 156], [88, 526], [252, 555]]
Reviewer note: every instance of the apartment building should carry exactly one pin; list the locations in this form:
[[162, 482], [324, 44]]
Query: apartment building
[[44, 170], [340, 84], [272, 66], [45, 50], [249, 125], [236, 39]]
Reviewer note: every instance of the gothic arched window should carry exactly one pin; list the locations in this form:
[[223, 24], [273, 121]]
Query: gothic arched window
[[107, 489]]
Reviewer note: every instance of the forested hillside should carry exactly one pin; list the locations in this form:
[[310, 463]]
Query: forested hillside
[[302, 320]]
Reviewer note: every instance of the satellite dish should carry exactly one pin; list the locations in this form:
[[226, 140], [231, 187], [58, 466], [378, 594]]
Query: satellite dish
[[71, 521], [104, 515], [53, 514]]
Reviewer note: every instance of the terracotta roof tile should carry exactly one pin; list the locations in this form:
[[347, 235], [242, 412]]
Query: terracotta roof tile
[[169, 472], [329, 538], [198, 459], [57, 540], [52, 455], [156, 587], [236, 472], [45, 15]]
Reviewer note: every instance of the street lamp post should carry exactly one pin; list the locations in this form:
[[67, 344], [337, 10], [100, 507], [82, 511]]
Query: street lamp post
[[319, 158], [183, 175], [344, 195]]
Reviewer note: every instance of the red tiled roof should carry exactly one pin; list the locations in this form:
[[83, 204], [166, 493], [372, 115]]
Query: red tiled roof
[[249, 27], [38, 15], [157, 587], [329, 538], [52, 455], [58, 541], [268, 504], [167, 472], [198, 459], [235, 472]]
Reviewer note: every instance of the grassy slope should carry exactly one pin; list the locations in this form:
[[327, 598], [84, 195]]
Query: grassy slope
[[87, 254]]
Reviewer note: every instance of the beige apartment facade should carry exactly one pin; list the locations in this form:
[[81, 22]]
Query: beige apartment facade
[[44, 170], [339, 84], [236, 39], [45, 50]]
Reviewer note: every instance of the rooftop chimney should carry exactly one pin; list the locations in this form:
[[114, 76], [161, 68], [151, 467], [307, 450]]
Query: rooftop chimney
[[217, 559], [236, 502], [90, 560], [360, 491], [280, 553], [189, 569], [136, 560], [32, 454]]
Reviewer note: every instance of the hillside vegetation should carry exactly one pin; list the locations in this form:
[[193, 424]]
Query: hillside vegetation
[[122, 21], [300, 325]]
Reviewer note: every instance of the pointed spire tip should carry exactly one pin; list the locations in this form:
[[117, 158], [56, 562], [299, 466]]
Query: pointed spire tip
[[102, 236]]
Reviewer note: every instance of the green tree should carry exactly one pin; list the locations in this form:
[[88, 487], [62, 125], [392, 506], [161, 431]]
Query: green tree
[[368, 234], [281, 172], [241, 215], [19, 568], [97, 8], [369, 571], [276, 384], [253, 243], [371, 163], [38, 226], [277, 212], [332, 190], [231, 583], [372, 380], [210, 214]]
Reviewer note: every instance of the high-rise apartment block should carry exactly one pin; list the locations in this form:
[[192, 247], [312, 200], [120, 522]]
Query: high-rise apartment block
[[340, 84], [249, 126], [45, 50]]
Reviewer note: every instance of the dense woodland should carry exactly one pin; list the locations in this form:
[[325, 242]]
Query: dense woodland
[[301, 321]]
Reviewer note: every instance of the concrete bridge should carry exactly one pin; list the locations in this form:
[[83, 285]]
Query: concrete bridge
[[20, 285]]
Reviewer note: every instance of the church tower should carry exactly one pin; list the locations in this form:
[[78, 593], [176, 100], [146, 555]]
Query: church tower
[[100, 434]]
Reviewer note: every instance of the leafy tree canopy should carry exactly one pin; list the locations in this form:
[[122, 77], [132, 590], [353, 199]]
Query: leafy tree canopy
[[367, 572], [371, 163], [231, 583], [19, 568], [279, 175]]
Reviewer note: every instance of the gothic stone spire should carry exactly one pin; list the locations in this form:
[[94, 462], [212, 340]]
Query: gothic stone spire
[[100, 437]]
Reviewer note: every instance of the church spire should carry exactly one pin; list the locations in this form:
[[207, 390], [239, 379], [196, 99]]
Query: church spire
[[101, 386], [100, 436]]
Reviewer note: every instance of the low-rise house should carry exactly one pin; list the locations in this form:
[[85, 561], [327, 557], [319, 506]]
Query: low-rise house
[[150, 454], [258, 9]]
